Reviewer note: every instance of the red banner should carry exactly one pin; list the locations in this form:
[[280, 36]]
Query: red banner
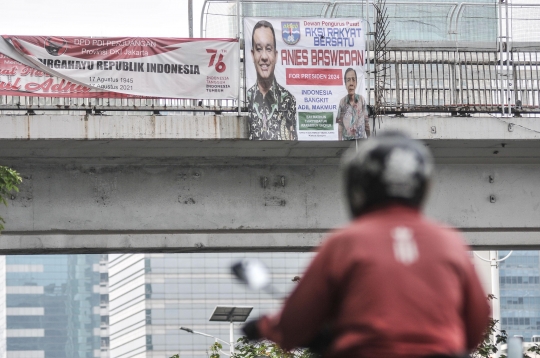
[[17, 79], [314, 76], [118, 67]]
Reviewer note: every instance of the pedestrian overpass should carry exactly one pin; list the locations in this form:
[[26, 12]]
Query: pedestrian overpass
[[166, 175], [116, 183]]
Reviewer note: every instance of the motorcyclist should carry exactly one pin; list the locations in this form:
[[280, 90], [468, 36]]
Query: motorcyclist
[[392, 283]]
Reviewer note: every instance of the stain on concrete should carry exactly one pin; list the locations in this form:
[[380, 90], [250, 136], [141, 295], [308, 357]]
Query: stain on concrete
[[25, 196], [105, 187], [274, 201], [187, 201]]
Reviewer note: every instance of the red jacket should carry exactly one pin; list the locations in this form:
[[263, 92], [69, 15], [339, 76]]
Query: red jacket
[[391, 284]]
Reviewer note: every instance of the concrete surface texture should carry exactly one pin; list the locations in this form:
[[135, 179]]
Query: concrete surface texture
[[128, 189]]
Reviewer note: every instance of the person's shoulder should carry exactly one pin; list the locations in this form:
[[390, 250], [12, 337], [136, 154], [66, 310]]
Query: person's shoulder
[[252, 89], [360, 99], [283, 91]]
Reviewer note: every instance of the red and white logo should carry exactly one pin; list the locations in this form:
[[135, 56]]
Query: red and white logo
[[55, 46], [220, 65]]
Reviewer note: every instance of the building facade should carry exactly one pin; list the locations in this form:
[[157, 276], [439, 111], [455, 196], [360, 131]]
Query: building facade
[[51, 306], [520, 293], [153, 295], [132, 305]]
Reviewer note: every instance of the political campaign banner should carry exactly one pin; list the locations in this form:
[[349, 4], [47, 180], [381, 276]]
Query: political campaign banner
[[119, 67], [305, 78]]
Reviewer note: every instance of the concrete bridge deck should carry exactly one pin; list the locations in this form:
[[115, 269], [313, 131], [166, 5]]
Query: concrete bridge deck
[[195, 183]]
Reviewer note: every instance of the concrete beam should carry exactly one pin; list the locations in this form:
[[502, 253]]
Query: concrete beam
[[110, 127], [228, 241], [464, 128], [188, 183], [179, 208], [138, 127]]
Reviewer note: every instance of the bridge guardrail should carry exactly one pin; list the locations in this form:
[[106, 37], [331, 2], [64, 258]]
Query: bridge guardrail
[[420, 80], [449, 73]]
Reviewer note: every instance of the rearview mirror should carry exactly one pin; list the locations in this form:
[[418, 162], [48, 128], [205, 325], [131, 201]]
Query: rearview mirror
[[252, 273]]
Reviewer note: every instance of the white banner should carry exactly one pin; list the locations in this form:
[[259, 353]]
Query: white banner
[[150, 67], [305, 78]]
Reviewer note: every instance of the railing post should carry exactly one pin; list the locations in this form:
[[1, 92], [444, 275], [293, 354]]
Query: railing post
[[453, 79], [499, 72], [399, 101], [368, 52], [508, 49], [240, 75]]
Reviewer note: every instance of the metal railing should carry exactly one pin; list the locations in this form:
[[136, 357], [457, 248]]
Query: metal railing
[[441, 79], [447, 71], [99, 105]]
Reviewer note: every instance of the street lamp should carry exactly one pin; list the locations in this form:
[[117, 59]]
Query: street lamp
[[229, 314], [216, 339], [495, 288]]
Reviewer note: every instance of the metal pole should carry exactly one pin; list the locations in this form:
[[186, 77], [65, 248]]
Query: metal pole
[[515, 347], [500, 72], [496, 306], [507, 32], [190, 17], [190, 24], [238, 24], [495, 290], [231, 328], [374, 37], [368, 30]]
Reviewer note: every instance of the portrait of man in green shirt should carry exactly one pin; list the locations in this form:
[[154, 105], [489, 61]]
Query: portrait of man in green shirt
[[271, 108]]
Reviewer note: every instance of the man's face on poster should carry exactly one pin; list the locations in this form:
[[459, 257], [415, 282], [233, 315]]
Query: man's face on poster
[[264, 53], [351, 82]]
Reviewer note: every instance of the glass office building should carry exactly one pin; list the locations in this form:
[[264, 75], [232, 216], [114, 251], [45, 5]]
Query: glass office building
[[520, 293], [133, 305], [153, 295], [50, 306]]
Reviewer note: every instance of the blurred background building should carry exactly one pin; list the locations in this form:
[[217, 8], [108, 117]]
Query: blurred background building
[[132, 305], [520, 293], [50, 306], [152, 295]]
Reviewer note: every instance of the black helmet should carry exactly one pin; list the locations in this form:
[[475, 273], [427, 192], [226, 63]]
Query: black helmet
[[389, 168]]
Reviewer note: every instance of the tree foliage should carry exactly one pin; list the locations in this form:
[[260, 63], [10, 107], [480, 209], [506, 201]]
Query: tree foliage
[[494, 337], [246, 349], [9, 181], [534, 349]]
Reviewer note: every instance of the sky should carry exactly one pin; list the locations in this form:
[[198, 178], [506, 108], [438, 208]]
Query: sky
[[99, 18]]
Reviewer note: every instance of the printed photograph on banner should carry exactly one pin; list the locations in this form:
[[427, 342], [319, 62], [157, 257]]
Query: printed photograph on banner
[[305, 79]]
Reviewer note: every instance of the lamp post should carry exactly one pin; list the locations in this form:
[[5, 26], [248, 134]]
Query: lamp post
[[495, 288], [216, 339], [229, 314]]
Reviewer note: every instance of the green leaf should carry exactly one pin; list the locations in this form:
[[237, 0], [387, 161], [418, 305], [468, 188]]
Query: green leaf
[[9, 179]]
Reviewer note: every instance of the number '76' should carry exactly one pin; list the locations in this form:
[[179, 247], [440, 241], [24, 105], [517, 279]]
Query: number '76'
[[220, 65]]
